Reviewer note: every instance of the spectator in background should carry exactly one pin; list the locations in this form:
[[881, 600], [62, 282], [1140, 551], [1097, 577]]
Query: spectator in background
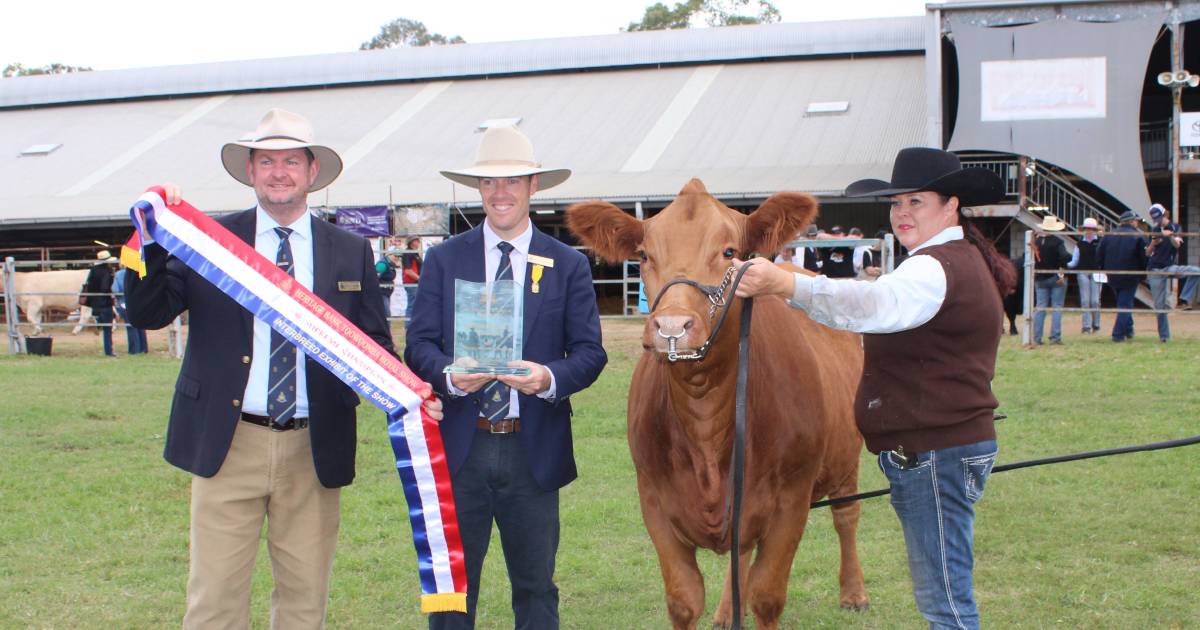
[[387, 280], [837, 262], [866, 258], [99, 289], [135, 338], [1085, 258], [1050, 286], [410, 267], [1124, 249], [1162, 254]]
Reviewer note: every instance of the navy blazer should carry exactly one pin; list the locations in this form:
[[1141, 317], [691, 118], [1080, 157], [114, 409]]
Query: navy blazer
[[216, 365], [562, 332], [1123, 253]]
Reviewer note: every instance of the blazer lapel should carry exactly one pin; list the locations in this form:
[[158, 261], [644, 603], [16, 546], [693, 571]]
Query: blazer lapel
[[324, 276], [474, 265], [533, 301]]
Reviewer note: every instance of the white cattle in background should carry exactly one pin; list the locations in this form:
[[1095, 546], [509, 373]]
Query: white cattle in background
[[40, 291]]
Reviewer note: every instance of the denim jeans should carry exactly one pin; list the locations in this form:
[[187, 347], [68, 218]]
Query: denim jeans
[[1160, 288], [411, 292], [104, 317], [495, 483], [1123, 326], [1089, 300], [935, 502], [1048, 293], [135, 339]]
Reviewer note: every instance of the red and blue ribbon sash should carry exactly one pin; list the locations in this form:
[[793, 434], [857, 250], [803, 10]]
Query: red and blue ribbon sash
[[337, 344]]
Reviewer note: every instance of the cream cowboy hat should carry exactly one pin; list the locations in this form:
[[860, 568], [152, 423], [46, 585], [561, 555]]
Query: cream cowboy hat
[[280, 130], [105, 256], [1091, 224], [506, 152], [1050, 223]]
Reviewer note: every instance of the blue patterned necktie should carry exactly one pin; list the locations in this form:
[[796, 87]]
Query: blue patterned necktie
[[281, 383], [493, 398]]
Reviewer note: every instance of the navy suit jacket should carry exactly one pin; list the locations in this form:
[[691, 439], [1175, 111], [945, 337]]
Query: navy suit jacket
[[562, 332], [1123, 253], [216, 365]]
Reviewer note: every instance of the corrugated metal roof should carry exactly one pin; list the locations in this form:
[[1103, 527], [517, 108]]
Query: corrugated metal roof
[[744, 133], [621, 50]]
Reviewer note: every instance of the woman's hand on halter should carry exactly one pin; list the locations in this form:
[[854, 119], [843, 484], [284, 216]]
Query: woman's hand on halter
[[764, 278]]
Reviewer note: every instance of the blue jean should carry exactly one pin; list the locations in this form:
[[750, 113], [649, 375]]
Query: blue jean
[[495, 483], [412, 299], [935, 502], [1123, 326], [1048, 293], [135, 338], [1089, 300], [104, 317], [1160, 288]]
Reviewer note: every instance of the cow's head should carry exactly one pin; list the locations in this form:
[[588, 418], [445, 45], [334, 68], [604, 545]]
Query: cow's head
[[695, 237]]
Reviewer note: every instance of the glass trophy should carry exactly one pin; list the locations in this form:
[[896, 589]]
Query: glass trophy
[[488, 324]]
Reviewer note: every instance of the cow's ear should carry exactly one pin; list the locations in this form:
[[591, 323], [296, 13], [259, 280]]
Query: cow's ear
[[778, 220], [608, 230]]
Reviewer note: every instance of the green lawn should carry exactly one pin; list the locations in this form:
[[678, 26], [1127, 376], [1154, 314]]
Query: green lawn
[[94, 526]]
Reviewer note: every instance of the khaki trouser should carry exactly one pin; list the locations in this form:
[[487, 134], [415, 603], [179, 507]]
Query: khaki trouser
[[266, 474]]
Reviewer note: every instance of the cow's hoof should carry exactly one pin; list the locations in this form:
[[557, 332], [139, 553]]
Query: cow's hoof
[[856, 607], [720, 626]]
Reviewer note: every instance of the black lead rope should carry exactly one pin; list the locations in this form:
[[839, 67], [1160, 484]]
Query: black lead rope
[[1155, 446], [739, 455]]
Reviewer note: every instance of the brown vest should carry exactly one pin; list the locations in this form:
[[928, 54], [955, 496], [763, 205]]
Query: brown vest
[[930, 387]]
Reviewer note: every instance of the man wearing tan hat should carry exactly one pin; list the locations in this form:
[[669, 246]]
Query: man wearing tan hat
[[98, 289], [508, 438], [1084, 257], [1050, 286], [266, 432]]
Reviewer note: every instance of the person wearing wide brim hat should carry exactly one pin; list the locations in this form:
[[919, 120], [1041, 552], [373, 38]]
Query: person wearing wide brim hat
[[1050, 285], [514, 428], [1085, 259], [105, 256], [931, 334], [251, 401]]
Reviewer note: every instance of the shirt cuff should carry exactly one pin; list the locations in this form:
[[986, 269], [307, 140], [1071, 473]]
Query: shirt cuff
[[451, 389], [802, 291], [551, 393]]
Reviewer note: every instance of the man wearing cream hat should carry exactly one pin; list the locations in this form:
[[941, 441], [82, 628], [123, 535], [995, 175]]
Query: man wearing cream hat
[[508, 438], [1084, 257], [267, 433]]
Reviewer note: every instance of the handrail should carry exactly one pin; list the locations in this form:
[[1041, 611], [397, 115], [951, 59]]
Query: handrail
[[1046, 188]]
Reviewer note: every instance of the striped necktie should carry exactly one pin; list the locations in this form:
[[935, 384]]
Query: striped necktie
[[281, 383], [494, 397]]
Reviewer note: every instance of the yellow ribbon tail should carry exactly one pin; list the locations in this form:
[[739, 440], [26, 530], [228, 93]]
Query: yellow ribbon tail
[[444, 602]]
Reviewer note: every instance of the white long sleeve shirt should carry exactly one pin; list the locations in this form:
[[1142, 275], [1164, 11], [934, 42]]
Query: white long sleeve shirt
[[902, 300]]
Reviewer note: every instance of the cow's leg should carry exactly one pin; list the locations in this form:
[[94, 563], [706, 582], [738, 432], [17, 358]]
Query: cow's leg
[[723, 619], [767, 592], [683, 583], [845, 521], [35, 318]]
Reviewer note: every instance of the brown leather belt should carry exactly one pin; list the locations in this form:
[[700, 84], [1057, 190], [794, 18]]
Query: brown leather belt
[[263, 421], [508, 425]]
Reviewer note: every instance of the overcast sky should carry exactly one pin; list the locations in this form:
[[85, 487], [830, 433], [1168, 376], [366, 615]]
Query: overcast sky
[[141, 33]]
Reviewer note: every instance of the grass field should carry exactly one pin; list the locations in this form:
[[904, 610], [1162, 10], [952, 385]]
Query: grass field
[[94, 526]]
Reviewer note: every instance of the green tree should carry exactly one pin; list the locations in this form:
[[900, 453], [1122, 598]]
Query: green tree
[[659, 16], [405, 32], [19, 69]]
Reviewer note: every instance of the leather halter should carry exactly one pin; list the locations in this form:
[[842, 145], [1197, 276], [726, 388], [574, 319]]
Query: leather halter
[[718, 298]]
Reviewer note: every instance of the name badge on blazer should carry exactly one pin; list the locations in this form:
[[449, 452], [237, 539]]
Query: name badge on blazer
[[349, 285]]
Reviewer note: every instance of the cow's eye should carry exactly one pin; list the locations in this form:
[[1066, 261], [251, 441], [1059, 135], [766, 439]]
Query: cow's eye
[[729, 253], [642, 256]]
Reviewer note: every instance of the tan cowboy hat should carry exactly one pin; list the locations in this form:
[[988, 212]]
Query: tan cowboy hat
[[281, 130], [105, 256], [1050, 223], [506, 152], [1091, 224]]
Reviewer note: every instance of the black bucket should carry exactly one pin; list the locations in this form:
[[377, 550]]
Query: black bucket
[[38, 345]]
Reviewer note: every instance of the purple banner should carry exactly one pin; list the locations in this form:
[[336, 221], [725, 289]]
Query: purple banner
[[366, 221]]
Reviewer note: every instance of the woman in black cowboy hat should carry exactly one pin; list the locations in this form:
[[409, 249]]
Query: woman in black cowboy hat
[[931, 331]]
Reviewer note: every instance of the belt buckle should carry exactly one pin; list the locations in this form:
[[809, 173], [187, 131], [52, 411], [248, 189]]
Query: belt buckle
[[907, 462], [275, 426], [492, 428]]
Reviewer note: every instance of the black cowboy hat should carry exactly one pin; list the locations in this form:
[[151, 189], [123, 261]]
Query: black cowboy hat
[[920, 168]]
